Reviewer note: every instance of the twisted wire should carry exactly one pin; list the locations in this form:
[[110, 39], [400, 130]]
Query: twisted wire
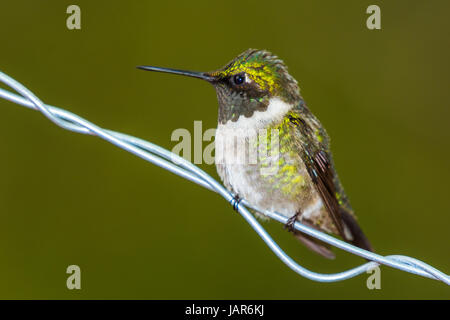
[[178, 165]]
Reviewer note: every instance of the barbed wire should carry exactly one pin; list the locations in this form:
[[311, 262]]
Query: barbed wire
[[178, 165]]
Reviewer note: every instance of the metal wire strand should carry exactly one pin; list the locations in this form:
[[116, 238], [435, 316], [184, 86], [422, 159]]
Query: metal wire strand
[[176, 164]]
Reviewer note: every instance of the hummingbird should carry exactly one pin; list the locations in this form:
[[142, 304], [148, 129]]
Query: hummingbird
[[256, 93]]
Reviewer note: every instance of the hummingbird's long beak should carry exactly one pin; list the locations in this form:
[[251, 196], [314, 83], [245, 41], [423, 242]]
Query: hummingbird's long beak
[[193, 74]]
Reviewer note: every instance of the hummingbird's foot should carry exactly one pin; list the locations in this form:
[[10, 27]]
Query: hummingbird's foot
[[291, 221], [235, 202]]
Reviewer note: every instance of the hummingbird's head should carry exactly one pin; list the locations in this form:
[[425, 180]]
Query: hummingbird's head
[[249, 81], [247, 84]]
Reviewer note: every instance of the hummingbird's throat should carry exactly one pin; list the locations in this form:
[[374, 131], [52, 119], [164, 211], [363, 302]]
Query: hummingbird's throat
[[273, 113], [233, 105]]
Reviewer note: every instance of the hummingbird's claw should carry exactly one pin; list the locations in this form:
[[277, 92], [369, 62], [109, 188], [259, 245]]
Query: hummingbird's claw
[[235, 202], [291, 221]]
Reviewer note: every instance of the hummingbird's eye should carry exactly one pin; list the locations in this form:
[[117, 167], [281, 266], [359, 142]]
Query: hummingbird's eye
[[239, 79]]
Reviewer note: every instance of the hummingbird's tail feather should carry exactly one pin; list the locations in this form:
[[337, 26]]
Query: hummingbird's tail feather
[[315, 245], [320, 247], [359, 238], [324, 249]]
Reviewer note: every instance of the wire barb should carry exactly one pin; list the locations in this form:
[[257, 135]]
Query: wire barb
[[176, 164]]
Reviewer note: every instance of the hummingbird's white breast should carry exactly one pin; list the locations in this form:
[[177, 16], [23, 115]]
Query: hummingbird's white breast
[[244, 175]]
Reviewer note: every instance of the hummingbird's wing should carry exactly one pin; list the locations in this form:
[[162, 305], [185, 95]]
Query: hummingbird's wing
[[324, 177], [321, 173], [314, 149]]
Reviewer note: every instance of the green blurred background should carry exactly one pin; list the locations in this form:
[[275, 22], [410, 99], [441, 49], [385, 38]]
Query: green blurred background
[[138, 231]]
